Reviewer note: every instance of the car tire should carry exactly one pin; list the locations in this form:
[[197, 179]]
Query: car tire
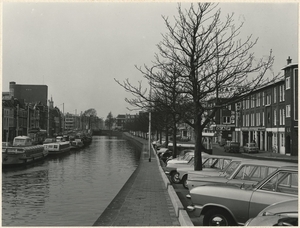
[[175, 178], [184, 182], [218, 217]]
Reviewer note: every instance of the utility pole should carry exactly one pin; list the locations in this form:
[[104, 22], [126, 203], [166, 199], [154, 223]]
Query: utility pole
[[48, 129], [149, 136], [28, 119], [17, 128]]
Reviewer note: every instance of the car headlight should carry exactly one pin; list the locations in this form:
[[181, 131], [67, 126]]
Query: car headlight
[[267, 213]]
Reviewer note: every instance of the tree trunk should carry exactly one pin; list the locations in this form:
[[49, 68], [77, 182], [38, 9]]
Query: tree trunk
[[174, 142], [167, 137], [198, 144], [198, 148]]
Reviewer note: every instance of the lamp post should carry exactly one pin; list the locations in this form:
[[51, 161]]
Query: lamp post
[[149, 139]]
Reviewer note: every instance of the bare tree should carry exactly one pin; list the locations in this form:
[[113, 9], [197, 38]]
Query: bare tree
[[213, 58], [209, 61]]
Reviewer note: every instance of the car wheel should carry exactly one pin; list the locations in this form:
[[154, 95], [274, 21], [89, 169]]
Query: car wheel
[[175, 178], [184, 182], [218, 217]]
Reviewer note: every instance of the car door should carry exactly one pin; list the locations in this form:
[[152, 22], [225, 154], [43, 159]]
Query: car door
[[283, 185]]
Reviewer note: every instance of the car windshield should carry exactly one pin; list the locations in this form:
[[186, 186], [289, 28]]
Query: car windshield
[[191, 162], [187, 157], [231, 168]]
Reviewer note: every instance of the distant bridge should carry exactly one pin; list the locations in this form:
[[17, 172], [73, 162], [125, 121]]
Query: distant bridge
[[107, 132]]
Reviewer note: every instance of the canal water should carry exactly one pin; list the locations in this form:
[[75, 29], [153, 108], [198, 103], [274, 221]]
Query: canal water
[[71, 190]]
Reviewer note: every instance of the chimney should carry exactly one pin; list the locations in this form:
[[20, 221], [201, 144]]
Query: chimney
[[289, 60]]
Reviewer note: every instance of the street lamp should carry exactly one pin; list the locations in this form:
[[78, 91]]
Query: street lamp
[[149, 139]]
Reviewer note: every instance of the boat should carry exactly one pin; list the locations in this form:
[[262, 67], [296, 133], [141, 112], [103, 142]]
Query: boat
[[76, 144], [22, 152], [57, 148]]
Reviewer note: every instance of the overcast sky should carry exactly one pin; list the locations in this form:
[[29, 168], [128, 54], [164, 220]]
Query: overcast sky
[[77, 49]]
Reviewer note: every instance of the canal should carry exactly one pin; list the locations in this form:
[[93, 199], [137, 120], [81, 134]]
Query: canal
[[70, 190]]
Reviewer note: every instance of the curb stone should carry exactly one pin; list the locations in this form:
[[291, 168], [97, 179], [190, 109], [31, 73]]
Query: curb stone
[[181, 213]]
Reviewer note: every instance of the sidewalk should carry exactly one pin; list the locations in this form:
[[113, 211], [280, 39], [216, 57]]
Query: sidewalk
[[143, 200], [265, 154]]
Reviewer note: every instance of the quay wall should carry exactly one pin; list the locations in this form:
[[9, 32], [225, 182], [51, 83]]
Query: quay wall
[[130, 138]]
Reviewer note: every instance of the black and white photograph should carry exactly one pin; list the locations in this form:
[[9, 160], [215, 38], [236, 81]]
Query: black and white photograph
[[154, 113]]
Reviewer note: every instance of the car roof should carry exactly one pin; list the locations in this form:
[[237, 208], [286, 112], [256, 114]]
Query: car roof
[[291, 167], [266, 162], [223, 156]]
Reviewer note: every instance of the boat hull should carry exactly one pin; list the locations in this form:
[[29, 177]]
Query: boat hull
[[57, 152], [57, 148], [16, 157]]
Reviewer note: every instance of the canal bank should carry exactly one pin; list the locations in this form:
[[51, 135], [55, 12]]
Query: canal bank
[[147, 198]]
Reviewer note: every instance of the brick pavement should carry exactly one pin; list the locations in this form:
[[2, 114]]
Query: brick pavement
[[143, 200]]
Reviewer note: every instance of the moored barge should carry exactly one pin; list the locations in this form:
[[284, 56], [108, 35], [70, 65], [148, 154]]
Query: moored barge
[[22, 152]]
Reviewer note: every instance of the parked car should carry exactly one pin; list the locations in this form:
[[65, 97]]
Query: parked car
[[213, 165], [278, 214], [157, 144], [188, 161], [231, 205], [238, 172], [164, 154], [232, 147], [180, 156], [250, 148]]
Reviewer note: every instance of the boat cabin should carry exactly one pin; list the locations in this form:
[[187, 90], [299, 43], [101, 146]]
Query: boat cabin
[[22, 141]]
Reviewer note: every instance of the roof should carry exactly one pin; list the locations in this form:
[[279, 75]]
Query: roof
[[268, 162], [290, 65]]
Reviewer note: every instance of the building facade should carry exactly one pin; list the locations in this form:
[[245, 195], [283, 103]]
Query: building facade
[[269, 116], [29, 93]]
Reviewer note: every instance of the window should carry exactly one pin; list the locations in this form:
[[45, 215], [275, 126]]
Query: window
[[288, 184], [247, 120], [258, 100], [247, 103], [268, 99], [253, 119], [275, 94], [287, 83], [280, 117], [245, 172], [252, 101], [263, 98], [258, 119], [281, 93], [263, 118], [275, 117], [283, 117], [288, 111], [226, 120]]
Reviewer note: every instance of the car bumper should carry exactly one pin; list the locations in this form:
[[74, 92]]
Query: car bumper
[[195, 208], [169, 170]]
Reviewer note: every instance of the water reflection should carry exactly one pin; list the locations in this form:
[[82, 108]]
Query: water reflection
[[72, 190]]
